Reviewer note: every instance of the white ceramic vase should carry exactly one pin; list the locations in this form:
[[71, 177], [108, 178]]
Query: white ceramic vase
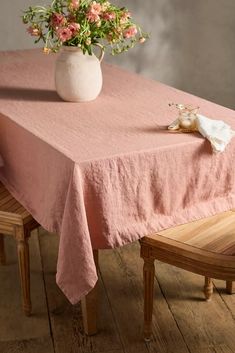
[[78, 76]]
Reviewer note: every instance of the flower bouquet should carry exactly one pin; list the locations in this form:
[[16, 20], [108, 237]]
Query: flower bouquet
[[78, 26], [82, 24]]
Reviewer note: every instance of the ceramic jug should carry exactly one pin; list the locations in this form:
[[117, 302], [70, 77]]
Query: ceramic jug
[[78, 76]]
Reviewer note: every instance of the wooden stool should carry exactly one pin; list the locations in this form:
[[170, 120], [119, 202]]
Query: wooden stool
[[205, 247], [16, 221]]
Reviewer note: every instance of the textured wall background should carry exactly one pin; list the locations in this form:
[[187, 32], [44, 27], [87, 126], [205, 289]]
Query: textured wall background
[[192, 44]]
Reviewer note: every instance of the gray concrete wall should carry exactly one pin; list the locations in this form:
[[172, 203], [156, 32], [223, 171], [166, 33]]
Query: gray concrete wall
[[192, 45]]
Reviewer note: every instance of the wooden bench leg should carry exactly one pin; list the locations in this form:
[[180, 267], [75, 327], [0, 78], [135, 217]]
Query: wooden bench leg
[[148, 274], [2, 251], [208, 288], [23, 258], [90, 306], [229, 287]]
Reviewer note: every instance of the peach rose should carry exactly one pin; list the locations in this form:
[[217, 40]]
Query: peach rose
[[130, 32]]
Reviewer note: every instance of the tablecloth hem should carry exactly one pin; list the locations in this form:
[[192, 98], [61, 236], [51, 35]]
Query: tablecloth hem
[[75, 299], [162, 222]]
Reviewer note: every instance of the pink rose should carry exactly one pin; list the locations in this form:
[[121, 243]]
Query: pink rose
[[109, 16], [64, 34], [74, 27], [92, 17], [57, 20], [94, 12], [35, 32], [95, 8], [130, 32], [74, 4]]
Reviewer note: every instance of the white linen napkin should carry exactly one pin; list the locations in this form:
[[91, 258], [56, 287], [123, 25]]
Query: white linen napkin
[[216, 131]]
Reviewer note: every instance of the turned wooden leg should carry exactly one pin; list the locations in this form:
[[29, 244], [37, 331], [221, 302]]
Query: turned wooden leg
[[208, 288], [229, 287], [148, 274], [23, 258], [2, 251], [90, 306]]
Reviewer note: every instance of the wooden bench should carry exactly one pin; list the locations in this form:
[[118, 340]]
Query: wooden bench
[[205, 247]]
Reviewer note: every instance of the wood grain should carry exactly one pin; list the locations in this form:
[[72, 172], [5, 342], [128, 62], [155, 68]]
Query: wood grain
[[148, 275], [34, 345], [230, 285], [215, 234], [228, 300], [202, 324]]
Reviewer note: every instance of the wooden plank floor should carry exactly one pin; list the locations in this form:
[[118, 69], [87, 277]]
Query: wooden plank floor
[[183, 322]]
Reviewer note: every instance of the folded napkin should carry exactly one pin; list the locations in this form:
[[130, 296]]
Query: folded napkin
[[216, 131]]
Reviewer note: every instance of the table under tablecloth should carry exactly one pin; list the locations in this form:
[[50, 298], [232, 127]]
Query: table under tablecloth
[[102, 174]]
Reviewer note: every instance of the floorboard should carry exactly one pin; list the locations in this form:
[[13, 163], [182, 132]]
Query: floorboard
[[34, 345], [182, 321], [204, 325], [228, 299]]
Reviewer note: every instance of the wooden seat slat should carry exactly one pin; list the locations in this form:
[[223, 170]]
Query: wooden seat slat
[[3, 192], [5, 200], [8, 205], [216, 233]]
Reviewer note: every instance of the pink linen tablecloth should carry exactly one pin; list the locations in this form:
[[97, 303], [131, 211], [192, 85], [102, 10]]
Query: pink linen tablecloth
[[101, 174]]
